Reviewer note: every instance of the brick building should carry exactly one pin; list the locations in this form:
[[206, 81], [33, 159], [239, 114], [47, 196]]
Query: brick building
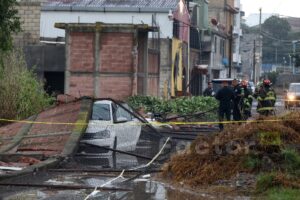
[[109, 60], [29, 12]]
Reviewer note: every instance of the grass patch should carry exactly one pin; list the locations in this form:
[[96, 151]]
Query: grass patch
[[252, 162], [283, 193], [291, 161], [265, 181]]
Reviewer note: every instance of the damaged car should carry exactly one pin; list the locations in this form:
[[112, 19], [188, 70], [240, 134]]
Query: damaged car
[[111, 126]]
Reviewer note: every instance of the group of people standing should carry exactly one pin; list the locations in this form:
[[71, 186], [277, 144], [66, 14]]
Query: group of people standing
[[236, 99]]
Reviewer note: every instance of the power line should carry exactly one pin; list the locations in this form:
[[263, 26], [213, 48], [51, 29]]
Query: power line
[[273, 38]]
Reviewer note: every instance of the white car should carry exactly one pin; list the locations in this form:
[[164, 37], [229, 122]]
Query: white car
[[112, 126]]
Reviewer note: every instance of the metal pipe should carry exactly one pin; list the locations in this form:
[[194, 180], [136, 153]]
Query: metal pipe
[[118, 151], [63, 187], [102, 171]]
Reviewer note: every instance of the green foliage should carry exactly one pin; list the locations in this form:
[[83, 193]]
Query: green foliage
[[277, 26], [253, 162], [283, 193], [181, 105], [265, 181], [291, 161], [9, 23], [269, 138], [274, 30], [21, 93]]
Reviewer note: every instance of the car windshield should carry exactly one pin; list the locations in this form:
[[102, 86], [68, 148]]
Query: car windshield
[[101, 112], [294, 88]]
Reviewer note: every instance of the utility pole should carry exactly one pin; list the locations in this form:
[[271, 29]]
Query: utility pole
[[260, 21], [230, 51], [254, 62], [260, 43]]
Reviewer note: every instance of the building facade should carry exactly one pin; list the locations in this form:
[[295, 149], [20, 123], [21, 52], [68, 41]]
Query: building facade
[[109, 60]]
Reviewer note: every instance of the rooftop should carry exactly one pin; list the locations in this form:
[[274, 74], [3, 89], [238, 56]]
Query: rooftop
[[110, 5]]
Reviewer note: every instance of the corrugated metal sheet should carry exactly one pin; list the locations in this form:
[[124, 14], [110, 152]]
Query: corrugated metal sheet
[[75, 4]]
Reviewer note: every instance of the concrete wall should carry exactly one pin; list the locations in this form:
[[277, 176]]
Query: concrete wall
[[50, 58], [165, 67], [29, 13]]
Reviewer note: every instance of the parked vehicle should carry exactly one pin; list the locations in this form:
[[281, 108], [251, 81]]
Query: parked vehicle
[[112, 126], [292, 96], [251, 86]]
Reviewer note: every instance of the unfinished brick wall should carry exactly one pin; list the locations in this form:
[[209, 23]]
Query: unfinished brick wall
[[29, 12], [82, 52], [81, 60], [116, 52], [116, 65], [102, 61]]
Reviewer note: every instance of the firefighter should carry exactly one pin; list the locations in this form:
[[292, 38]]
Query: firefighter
[[246, 101], [266, 98]]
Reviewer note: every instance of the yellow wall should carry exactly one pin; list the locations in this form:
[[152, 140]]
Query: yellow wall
[[176, 84]]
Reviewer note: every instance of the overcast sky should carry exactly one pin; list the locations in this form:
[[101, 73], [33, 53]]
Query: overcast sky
[[283, 7]]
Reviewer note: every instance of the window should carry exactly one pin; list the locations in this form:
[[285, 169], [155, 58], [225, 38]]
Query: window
[[121, 113], [294, 88], [215, 44], [101, 112], [176, 28], [222, 47]]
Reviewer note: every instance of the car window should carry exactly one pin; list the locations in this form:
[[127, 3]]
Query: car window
[[294, 88], [122, 113], [101, 112]]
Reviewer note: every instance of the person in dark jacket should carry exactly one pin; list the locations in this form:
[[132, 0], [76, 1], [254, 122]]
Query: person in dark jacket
[[209, 92], [225, 96], [237, 100]]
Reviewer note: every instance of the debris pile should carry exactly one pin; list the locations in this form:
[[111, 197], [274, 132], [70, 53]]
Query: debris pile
[[267, 146]]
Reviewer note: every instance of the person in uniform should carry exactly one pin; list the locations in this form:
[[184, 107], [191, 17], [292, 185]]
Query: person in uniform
[[209, 92], [266, 98], [225, 96], [237, 100]]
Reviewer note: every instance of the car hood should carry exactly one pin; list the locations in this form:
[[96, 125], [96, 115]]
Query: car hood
[[294, 93]]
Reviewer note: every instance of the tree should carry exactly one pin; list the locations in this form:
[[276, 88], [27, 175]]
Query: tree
[[9, 23], [274, 31], [277, 27]]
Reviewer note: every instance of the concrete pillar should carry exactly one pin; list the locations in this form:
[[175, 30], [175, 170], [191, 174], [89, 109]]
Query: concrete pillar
[[68, 56], [135, 62], [97, 52]]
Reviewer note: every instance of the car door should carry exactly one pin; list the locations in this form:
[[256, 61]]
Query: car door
[[127, 129], [99, 131]]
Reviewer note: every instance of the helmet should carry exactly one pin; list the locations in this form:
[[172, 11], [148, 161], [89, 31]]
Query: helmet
[[267, 82]]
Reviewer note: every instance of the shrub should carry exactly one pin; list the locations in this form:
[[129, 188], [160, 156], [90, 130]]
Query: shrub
[[21, 93], [180, 106]]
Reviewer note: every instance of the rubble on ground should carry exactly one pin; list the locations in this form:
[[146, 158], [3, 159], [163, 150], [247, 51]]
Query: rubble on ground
[[250, 148]]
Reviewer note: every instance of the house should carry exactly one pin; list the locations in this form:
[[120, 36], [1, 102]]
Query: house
[[109, 60], [218, 51], [177, 40]]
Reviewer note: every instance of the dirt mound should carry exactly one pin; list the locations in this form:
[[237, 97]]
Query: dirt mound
[[292, 120], [255, 147]]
